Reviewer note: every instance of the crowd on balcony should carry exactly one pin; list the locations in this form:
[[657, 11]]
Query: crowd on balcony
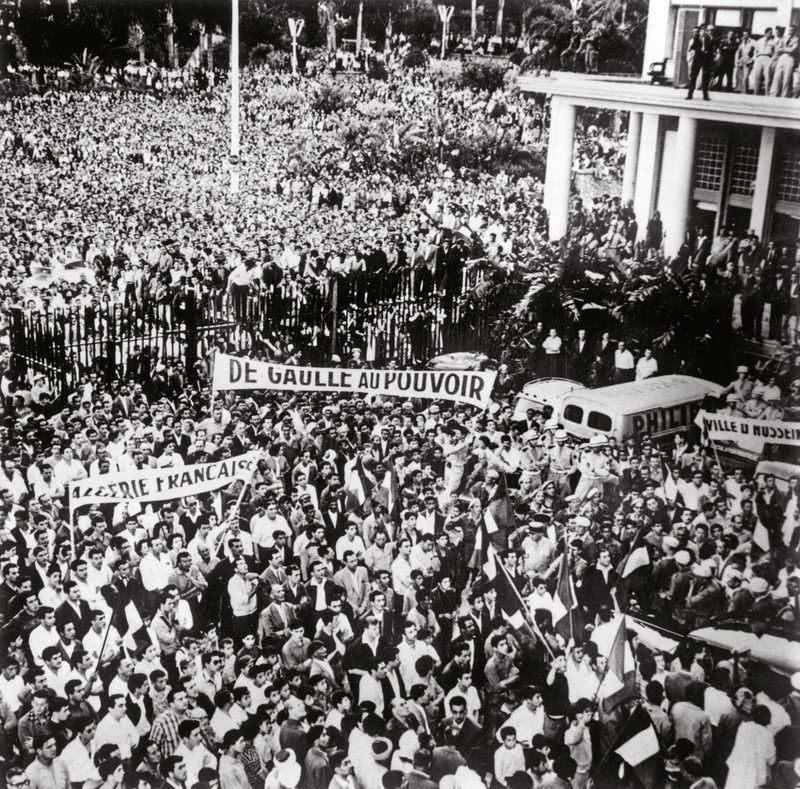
[[765, 65]]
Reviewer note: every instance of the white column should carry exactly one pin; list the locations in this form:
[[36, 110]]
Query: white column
[[676, 215], [759, 213], [784, 15], [558, 177], [647, 170], [656, 45], [632, 156]]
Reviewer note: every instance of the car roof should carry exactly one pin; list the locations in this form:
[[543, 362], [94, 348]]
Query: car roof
[[548, 390], [662, 391]]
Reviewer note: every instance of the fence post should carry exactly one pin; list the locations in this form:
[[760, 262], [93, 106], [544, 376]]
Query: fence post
[[193, 307], [334, 315]]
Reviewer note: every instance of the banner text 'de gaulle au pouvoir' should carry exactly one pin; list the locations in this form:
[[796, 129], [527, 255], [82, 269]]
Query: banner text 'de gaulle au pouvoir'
[[469, 387]]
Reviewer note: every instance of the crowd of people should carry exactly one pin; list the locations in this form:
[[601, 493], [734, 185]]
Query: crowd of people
[[338, 621], [331, 621]]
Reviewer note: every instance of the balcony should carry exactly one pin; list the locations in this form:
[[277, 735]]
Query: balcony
[[631, 93]]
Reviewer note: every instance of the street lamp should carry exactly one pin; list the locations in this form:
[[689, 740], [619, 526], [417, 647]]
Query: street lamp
[[445, 12], [235, 138], [295, 28]]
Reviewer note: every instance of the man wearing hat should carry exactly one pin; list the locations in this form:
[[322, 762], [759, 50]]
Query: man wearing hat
[[739, 597], [370, 774], [537, 549], [679, 584], [764, 605], [562, 463], [742, 386], [706, 597]]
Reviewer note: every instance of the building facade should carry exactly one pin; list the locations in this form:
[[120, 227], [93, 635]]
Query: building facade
[[731, 161]]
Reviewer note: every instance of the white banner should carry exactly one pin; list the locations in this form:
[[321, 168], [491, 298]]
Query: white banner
[[159, 484], [746, 433], [472, 388]]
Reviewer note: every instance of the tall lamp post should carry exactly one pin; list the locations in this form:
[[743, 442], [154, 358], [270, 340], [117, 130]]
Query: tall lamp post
[[445, 12], [235, 137], [295, 28]]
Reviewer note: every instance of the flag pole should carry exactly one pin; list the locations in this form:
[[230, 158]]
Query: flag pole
[[569, 581], [532, 622], [238, 504]]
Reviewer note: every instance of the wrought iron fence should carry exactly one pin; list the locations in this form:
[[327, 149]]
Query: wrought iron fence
[[408, 316]]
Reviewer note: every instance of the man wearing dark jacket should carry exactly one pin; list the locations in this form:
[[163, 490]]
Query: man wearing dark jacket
[[701, 48]]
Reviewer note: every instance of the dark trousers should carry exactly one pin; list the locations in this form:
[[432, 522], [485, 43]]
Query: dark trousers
[[698, 65]]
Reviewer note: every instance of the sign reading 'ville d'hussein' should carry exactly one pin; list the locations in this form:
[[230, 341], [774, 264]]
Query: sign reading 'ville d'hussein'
[[470, 387], [748, 433]]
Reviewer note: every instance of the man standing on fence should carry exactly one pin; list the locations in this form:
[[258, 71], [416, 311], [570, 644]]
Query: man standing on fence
[[239, 286]]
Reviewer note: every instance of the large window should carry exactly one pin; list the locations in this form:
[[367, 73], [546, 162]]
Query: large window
[[710, 161], [573, 413], [787, 187], [743, 168]]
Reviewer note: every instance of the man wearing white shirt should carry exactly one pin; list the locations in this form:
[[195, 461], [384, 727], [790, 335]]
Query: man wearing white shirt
[[170, 458], [464, 687], [98, 573], [409, 650], [94, 638], [401, 568], [116, 728], [647, 366], [11, 684], [44, 634], [155, 567], [78, 756], [191, 749], [263, 527], [623, 364], [58, 672], [68, 469], [528, 718], [369, 686]]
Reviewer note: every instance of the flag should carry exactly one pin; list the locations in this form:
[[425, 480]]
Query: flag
[[388, 494], [672, 495], [637, 558], [131, 622], [500, 515], [509, 599], [567, 618], [619, 681], [480, 559], [638, 739], [761, 536], [634, 758], [358, 484]]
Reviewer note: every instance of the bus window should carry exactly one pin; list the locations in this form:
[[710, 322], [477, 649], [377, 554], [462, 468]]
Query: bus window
[[573, 413], [599, 421]]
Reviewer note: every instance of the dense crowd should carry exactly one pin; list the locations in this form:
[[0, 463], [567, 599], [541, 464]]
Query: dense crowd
[[332, 623], [339, 620]]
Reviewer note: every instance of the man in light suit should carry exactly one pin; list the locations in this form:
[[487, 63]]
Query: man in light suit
[[355, 582], [277, 619]]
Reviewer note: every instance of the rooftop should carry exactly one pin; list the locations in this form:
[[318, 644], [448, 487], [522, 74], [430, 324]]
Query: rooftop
[[631, 93]]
